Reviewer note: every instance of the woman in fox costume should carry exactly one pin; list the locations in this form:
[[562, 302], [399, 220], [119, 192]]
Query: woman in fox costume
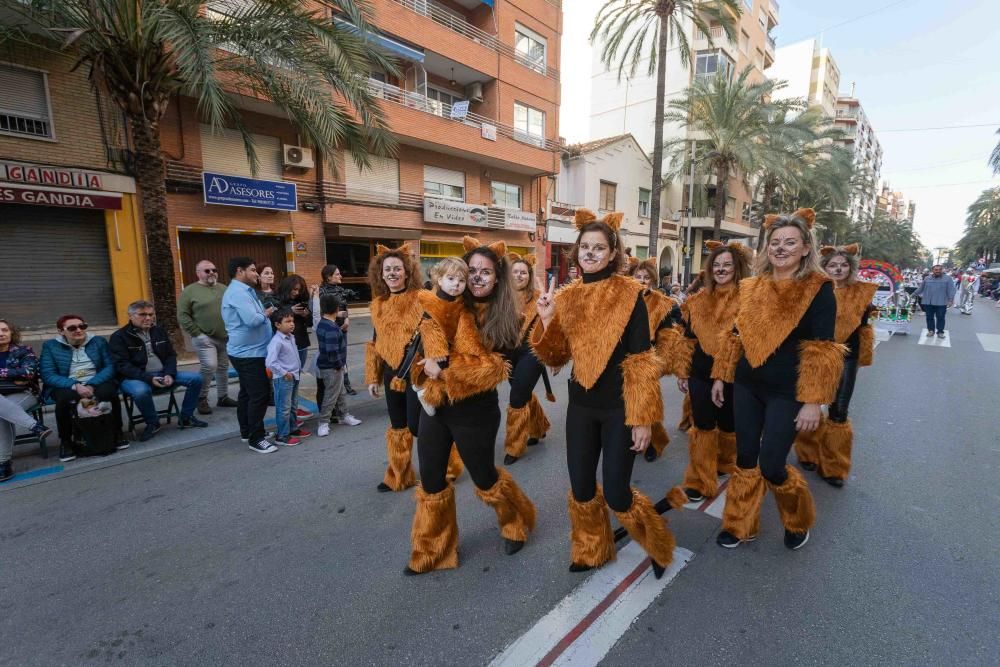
[[600, 323], [472, 365], [784, 364], [394, 276], [526, 421], [709, 316], [828, 448]]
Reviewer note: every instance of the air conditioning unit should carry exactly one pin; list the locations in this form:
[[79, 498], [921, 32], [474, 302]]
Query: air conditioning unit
[[474, 92], [297, 157]]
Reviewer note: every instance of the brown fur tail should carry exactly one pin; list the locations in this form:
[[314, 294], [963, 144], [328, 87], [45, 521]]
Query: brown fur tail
[[434, 535], [677, 498], [685, 422], [641, 388], [795, 502], [591, 541], [660, 438], [515, 512], [821, 363]]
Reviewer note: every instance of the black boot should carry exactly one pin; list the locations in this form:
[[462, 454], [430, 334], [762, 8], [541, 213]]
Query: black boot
[[6, 470], [347, 386]]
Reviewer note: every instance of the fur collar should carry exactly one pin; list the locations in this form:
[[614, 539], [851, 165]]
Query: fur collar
[[770, 310], [852, 302], [593, 317], [658, 306], [395, 318], [445, 313], [711, 315]]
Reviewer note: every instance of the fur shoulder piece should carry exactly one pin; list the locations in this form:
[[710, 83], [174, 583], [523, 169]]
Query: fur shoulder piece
[[712, 315], [472, 368], [658, 306], [852, 302], [395, 318], [593, 318], [445, 313], [769, 311]]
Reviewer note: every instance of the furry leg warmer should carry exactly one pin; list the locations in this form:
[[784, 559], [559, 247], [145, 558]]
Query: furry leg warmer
[[835, 449], [703, 462], [455, 465], [434, 536], [727, 453], [591, 541], [515, 441], [685, 422], [660, 438], [538, 423], [744, 496], [795, 502], [515, 513], [399, 476], [808, 445], [649, 529]]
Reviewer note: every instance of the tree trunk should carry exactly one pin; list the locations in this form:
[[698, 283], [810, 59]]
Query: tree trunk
[[765, 206], [721, 193], [150, 177], [657, 186]]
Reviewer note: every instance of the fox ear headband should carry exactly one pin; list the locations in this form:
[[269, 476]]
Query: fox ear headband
[[527, 259], [470, 243], [381, 249], [807, 214], [852, 249], [585, 215], [732, 246]]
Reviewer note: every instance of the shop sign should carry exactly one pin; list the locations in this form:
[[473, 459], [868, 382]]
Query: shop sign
[[37, 174], [520, 221], [556, 233], [248, 192], [17, 193], [454, 212]]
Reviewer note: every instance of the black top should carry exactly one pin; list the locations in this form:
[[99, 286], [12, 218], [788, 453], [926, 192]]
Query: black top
[[778, 376], [853, 342], [302, 323], [444, 296], [701, 361]]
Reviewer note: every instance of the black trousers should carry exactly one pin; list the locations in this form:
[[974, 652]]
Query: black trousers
[[765, 430], [841, 404], [591, 432], [66, 400], [255, 390], [704, 413], [935, 317], [472, 425], [526, 369], [404, 408]]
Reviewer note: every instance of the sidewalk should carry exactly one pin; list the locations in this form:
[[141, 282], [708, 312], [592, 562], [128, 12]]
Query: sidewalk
[[222, 424]]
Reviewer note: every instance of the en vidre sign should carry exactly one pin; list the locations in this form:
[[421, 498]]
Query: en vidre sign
[[454, 212]]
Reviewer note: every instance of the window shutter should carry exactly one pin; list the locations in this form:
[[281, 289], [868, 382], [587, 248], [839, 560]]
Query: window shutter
[[381, 176], [22, 93], [223, 152], [445, 176]]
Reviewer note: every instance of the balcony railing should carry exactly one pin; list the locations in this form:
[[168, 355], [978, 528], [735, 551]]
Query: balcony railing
[[413, 100], [770, 42]]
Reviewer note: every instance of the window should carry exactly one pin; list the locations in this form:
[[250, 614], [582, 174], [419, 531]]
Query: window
[[748, 4], [709, 63], [24, 103], [641, 252], [643, 203], [730, 207], [529, 49], [744, 43], [223, 151], [444, 183], [441, 98], [607, 202], [506, 195], [529, 124]]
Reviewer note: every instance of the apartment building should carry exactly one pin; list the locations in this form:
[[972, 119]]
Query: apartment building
[[810, 72], [474, 110], [608, 174], [72, 238], [859, 136], [894, 204], [629, 106]]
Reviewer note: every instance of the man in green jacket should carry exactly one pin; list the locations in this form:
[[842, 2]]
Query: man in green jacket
[[200, 314]]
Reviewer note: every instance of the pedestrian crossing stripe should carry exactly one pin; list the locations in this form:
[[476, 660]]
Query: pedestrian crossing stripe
[[990, 342], [934, 341]]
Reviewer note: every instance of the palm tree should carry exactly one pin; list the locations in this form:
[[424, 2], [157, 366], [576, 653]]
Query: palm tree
[[143, 52], [982, 228], [995, 158], [633, 30]]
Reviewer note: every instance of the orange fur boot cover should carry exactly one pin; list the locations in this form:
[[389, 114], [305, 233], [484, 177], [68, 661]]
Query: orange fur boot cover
[[648, 528], [703, 447], [399, 475], [808, 444], [538, 423], [434, 536], [515, 513], [745, 493], [727, 453], [795, 502], [835, 450], [660, 438], [515, 441], [591, 541], [455, 465], [685, 422]]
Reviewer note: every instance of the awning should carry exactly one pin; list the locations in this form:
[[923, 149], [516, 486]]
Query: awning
[[337, 230], [488, 3], [386, 43]]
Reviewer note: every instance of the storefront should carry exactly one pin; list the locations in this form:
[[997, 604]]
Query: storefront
[[351, 247], [559, 238], [75, 237]]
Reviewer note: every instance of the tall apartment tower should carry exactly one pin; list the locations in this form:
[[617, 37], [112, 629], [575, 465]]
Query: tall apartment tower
[[859, 136], [810, 72]]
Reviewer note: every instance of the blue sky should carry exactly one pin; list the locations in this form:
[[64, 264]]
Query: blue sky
[[915, 63]]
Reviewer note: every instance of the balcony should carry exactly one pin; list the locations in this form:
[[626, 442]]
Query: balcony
[[718, 40]]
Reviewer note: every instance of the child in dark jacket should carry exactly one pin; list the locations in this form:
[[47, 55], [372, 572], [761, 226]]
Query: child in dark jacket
[[332, 365]]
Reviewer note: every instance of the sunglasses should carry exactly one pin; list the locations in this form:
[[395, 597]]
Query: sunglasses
[[73, 328], [210, 270]]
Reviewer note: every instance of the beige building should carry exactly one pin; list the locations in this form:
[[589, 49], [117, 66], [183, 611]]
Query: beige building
[[810, 72], [859, 136]]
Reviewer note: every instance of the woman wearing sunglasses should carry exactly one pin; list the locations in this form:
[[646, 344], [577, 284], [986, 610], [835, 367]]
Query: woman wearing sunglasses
[[76, 365]]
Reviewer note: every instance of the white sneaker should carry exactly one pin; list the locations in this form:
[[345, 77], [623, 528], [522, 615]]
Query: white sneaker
[[350, 420], [323, 430]]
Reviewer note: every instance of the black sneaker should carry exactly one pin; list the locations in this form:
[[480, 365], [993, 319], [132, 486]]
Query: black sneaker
[[509, 460], [805, 465], [189, 422], [694, 496], [834, 481], [350, 391], [66, 452], [226, 402], [203, 407], [263, 447], [796, 540], [149, 432], [123, 444], [6, 471], [727, 540], [40, 430]]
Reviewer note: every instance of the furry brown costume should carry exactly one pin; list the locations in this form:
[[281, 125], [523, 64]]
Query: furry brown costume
[[472, 369], [795, 503], [437, 330], [516, 436], [455, 465], [726, 462], [399, 473], [853, 301], [592, 543], [741, 516], [434, 534], [712, 315], [685, 422], [649, 529], [702, 470], [658, 306], [515, 513]]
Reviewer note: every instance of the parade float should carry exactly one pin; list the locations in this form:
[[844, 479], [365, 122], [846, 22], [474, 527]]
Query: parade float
[[894, 307]]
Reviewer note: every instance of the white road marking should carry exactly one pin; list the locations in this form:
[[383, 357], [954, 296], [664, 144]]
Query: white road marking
[[719, 504], [990, 342], [583, 627], [934, 341]]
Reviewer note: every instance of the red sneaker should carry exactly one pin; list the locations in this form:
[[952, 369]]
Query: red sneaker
[[303, 414], [301, 433], [290, 441]]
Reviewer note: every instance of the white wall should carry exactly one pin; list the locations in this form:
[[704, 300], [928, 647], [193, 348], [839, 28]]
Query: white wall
[[793, 64]]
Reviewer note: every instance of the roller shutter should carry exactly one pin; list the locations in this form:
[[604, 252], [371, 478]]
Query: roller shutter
[[224, 153], [57, 264], [444, 176], [379, 181]]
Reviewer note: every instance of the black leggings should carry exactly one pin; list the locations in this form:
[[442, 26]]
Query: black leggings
[[840, 405], [525, 371], [589, 432], [704, 413], [472, 424], [404, 408], [765, 430]]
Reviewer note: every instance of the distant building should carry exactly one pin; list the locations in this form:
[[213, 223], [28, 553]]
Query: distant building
[[860, 137], [811, 74], [894, 204]]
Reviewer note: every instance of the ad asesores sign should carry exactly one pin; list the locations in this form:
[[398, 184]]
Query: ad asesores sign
[[248, 192]]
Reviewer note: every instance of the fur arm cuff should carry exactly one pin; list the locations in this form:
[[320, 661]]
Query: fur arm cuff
[[821, 363], [433, 339], [866, 345], [681, 353], [641, 388], [373, 365], [724, 363], [468, 374], [550, 344]]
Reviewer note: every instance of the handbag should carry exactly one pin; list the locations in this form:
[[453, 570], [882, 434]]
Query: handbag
[[409, 354]]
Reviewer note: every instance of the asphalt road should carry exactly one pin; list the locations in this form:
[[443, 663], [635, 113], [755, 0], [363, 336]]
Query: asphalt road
[[216, 555]]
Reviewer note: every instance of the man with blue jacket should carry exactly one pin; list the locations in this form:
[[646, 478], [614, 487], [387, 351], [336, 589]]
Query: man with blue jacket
[[936, 294], [76, 365]]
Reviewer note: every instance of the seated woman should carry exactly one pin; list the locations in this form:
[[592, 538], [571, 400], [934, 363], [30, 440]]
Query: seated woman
[[18, 391]]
